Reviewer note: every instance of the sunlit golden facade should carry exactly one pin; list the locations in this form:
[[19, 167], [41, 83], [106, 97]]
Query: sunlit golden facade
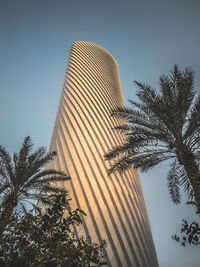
[[82, 134]]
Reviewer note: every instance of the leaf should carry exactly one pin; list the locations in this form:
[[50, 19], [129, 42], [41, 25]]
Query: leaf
[[173, 183]]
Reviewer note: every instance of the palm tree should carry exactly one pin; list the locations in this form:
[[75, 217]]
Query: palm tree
[[163, 125], [23, 179]]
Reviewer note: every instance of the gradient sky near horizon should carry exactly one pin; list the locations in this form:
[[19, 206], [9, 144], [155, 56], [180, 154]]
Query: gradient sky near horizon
[[145, 37]]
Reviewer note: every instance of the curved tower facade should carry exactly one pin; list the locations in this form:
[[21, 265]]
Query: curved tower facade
[[82, 134]]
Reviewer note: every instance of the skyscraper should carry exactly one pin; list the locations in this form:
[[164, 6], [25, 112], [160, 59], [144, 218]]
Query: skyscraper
[[82, 134]]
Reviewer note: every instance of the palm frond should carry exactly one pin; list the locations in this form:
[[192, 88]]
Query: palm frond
[[6, 162], [144, 160], [15, 160], [185, 94], [24, 209], [42, 160], [174, 183], [24, 153], [142, 108], [167, 91], [43, 199], [147, 94], [120, 149], [38, 154], [123, 128], [122, 112], [148, 160], [185, 183], [35, 167], [193, 126], [153, 135], [3, 187], [136, 117], [45, 177], [158, 107]]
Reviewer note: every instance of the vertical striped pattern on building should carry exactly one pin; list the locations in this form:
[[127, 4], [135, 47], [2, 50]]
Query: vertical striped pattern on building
[[82, 134]]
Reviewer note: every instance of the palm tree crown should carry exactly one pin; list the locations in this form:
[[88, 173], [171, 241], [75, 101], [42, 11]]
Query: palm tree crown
[[163, 125], [24, 179]]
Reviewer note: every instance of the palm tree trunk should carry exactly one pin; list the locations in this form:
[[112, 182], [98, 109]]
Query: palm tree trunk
[[187, 159], [196, 189], [194, 177]]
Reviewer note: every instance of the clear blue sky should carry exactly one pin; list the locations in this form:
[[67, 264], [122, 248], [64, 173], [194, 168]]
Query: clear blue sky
[[146, 38]]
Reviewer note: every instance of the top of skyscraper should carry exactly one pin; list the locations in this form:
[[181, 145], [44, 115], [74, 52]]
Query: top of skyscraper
[[88, 45]]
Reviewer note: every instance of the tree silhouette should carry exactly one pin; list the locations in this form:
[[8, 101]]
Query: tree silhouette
[[49, 239], [24, 179], [163, 125]]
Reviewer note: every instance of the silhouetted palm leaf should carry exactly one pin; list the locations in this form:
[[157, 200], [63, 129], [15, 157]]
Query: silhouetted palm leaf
[[174, 183]]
